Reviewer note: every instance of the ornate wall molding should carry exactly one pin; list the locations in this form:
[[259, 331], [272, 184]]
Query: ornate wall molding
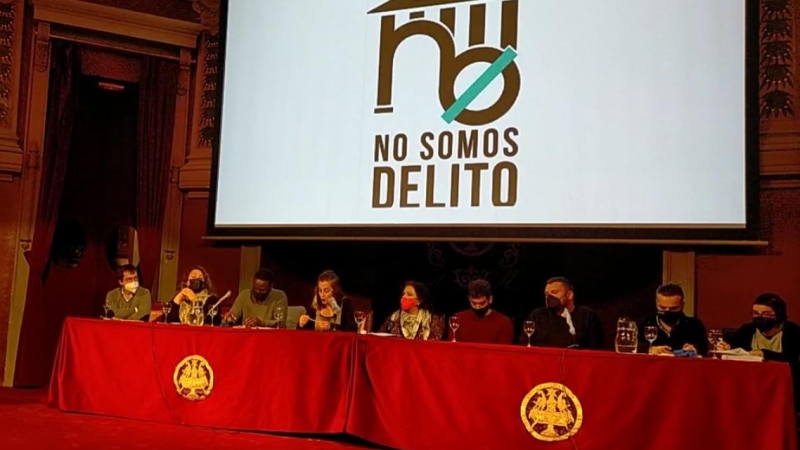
[[777, 66], [196, 174], [11, 21], [116, 21]]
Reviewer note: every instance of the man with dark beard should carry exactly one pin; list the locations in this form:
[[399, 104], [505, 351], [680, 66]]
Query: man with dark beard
[[560, 323], [676, 330], [480, 323], [256, 307]]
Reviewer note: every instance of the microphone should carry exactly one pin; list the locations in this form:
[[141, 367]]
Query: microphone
[[222, 299]]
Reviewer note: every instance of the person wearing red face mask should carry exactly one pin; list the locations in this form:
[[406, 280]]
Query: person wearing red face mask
[[414, 320]]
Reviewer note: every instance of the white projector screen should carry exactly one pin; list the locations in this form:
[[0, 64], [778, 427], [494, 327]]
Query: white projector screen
[[420, 114]]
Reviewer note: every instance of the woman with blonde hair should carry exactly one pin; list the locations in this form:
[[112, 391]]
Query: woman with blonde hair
[[332, 309]]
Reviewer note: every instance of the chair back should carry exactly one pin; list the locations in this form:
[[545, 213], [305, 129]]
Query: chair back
[[293, 314]]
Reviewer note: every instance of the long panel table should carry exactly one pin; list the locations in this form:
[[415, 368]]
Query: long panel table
[[419, 395], [263, 380]]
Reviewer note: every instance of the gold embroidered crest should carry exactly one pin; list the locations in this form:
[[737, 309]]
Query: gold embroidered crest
[[551, 412], [194, 378]]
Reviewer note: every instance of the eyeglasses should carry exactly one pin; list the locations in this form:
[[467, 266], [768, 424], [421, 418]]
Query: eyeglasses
[[765, 315]]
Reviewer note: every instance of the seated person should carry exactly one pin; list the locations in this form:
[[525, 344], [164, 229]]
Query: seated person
[[481, 323], [195, 286], [255, 307], [332, 309], [130, 301], [561, 323], [676, 331], [414, 320], [771, 336]]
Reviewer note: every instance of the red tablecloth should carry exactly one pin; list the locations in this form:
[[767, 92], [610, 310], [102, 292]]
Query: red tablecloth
[[418, 395], [426, 395], [268, 380]]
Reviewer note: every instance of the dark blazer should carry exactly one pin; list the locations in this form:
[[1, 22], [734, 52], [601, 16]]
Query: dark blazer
[[552, 329]]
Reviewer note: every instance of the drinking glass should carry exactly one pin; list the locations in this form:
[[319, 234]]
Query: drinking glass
[[714, 339], [627, 335], [213, 313], [278, 317], [650, 333], [454, 326], [166, 308], [106, 309], [361, 317], [529, 327]]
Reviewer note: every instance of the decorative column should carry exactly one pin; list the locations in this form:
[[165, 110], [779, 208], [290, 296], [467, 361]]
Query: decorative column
[[171, 234], [31, 183], [11, 155], [195, 175]]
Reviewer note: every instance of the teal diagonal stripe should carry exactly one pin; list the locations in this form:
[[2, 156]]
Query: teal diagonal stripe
[[483, 81]]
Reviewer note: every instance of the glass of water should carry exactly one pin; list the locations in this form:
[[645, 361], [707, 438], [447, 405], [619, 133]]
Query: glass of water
[[650, 333], [454, 326], [213, 313], [166, 308], [529, 327], [279, 317], [361, 317], [714, 339]]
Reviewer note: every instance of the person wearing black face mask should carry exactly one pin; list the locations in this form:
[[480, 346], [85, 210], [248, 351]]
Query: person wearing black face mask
[[560, 323], [676, 330], [480, 323], [771, 335], [196, 286], [256, 307]]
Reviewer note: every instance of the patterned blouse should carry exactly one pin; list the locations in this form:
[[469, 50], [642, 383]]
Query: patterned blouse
[[422, 326]]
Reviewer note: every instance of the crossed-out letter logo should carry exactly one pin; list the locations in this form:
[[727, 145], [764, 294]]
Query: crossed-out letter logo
[[479, 154]]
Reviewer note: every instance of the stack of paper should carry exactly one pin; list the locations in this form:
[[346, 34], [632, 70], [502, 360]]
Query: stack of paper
[[739, 354]]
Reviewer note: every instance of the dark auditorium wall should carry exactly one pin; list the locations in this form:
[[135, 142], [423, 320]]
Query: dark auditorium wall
[[221, 262], [616, 280], [728, 283]]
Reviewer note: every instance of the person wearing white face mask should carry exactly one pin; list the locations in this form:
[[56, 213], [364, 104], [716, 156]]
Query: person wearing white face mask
[[130, 301]]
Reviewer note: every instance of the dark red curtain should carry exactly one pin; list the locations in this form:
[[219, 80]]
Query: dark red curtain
[[61, 110], [157, 93], [33, 359]]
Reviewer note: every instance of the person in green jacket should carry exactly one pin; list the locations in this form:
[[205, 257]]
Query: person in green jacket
[[129, 301]]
